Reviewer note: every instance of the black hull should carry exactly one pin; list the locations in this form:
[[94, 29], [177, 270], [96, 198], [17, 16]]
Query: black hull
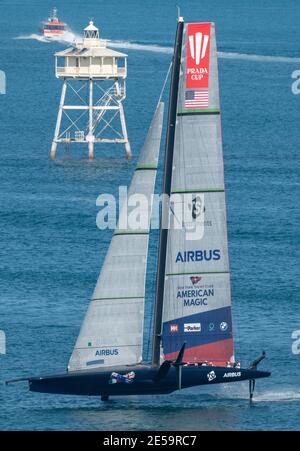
[[97, 383]]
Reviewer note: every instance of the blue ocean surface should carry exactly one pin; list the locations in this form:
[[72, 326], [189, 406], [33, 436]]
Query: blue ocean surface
[[52, 251]]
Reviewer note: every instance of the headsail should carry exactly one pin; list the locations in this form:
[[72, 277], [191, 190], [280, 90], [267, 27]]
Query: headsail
[[197, 300], [112, 331]]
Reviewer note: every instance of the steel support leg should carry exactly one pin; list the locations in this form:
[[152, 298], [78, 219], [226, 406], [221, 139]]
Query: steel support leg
[[58, 121], [124, 131], [91, 132]]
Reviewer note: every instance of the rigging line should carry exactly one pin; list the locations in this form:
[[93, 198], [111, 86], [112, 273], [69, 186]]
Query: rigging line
[[173, 212], [164, 84]]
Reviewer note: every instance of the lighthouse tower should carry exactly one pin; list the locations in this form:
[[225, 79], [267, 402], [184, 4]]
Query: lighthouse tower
[[94, 87]]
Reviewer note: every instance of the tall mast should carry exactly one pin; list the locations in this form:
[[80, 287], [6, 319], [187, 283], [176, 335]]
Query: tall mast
[[169, 148]]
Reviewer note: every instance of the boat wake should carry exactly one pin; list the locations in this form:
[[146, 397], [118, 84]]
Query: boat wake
[[262, 58], [69, 38], [280, 396], [225, 55], [238, 392], [141, 47]]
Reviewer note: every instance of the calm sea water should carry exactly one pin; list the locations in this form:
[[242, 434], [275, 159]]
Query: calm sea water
[[51, 249]]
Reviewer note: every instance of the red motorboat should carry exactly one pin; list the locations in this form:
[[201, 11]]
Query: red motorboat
[[53, 27]]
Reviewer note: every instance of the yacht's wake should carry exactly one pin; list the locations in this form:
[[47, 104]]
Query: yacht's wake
[[232, 391], [280, 396], [225, 55], [69, 37], [262, 58]]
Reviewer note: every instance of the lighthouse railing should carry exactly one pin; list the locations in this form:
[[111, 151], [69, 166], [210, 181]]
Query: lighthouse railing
[[90, 72]]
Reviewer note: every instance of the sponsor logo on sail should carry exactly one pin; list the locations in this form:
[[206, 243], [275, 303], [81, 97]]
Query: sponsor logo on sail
[[198, 46], [194, 216], [211, 327], [211, 376], [233, 374], [174, 328], [198, 255], [223, 326], [197, 207], [197, 62], [197, 296], [107, 352], [195, 279], [192, 327], [194, 220]]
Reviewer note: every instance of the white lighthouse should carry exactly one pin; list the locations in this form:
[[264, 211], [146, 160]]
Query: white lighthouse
[[91, 109]]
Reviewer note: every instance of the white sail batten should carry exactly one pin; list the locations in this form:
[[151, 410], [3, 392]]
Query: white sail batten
[[197, 300], [112, 331]]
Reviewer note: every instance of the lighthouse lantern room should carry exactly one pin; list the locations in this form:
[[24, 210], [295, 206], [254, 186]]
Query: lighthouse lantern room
[[94, 76]]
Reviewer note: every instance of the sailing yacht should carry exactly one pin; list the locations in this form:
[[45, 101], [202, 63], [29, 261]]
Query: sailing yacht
[[192, 338]]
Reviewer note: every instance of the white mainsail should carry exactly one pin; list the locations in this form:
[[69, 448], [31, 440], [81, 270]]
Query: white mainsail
[[112, 331], [197, 300]]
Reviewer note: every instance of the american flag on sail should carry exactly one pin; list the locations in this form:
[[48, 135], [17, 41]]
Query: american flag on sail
[[196, 99]]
